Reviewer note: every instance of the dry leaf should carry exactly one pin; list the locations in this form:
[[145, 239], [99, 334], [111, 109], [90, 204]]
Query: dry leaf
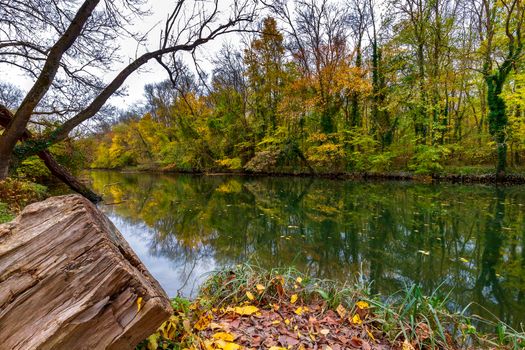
[[341, 311], [224, 336], [203, 322], [299, 311], [407, 345], [139, 304], [250, 295], [245, 310], [356, 320], [224, 345], [362, 305], [324, 331], [356, 342], [299, 280], [293, 299], [260, 288], [187, 326]]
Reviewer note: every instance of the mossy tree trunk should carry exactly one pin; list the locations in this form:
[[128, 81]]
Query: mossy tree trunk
[[507, 17], [497, 117]]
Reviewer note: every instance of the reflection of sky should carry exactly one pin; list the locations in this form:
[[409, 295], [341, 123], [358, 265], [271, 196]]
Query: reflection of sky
[[176, 277]]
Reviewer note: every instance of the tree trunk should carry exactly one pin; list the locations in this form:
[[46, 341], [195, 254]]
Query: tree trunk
[[65, 176], [56, 169], [4, 166], [497, 118], [69, 280]]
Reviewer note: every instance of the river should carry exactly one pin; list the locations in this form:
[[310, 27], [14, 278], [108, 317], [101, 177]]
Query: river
[[464, 241]]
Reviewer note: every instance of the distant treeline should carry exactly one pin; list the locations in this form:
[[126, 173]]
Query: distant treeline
[[331, 88]]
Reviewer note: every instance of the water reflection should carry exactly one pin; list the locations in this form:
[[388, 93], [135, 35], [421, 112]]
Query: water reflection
[[470, 239]]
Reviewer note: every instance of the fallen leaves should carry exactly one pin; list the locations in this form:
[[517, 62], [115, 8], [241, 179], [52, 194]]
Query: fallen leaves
[[356, 319], [224, 336], [362, 305], [260, 288], [203, 322], [244, 310], [341, 311], [293, 299], [249, 295]]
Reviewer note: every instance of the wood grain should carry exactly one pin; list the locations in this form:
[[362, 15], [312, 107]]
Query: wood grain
[[69, 280]]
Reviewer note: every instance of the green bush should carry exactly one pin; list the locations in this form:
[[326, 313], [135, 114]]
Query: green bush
[[32, 169], [428, 159], [381, 162]]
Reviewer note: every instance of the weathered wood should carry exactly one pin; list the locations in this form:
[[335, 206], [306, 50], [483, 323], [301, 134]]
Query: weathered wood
[[69, 280]]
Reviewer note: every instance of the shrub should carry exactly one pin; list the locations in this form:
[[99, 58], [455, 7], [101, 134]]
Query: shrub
[[427, 159], [229, 163], [19, 193], [32, 169]]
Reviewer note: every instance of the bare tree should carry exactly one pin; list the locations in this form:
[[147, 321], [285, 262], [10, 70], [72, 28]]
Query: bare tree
[[71, 47], [10, 95]]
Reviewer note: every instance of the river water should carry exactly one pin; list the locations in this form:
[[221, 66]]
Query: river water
[[465, 241]]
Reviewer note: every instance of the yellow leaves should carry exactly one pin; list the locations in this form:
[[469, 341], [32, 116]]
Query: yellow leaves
[[357, 320], [370, 335], [276, 348], [225, 345], [293, 299], [244, 310], [287, 322], [224, 336], [203, 322], [424, 252], [139, 304], [463, 260], [168, 328], [363, 305], [249, 295], [300, 310], [260, 288], [299, 280]]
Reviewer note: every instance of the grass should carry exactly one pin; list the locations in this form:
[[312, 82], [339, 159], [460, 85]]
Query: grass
[[406, 320], [5, 213]]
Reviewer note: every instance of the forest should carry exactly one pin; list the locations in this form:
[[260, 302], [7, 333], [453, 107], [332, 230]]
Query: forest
[[159, 115], [424, 86]]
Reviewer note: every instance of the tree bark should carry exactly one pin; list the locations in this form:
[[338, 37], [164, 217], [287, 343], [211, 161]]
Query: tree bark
[[69, 280], [54, 167]]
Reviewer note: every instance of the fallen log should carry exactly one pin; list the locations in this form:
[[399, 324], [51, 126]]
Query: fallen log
[[69, 280]]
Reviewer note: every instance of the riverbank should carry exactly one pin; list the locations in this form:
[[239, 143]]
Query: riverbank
[[249, 307], [461, 175]]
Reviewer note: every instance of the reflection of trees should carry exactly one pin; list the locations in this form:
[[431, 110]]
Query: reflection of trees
[[491, 255], [332, 228]]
